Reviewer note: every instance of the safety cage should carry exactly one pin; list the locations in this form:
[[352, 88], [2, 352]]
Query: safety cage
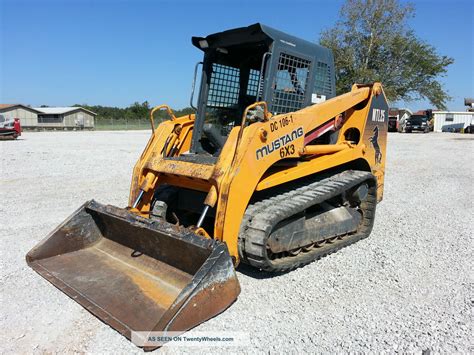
[[248, 64]]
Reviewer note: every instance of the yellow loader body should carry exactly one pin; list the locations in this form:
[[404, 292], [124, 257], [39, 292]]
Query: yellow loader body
[[275, 190]]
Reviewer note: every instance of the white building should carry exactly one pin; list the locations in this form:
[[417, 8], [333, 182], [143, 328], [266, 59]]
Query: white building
[[49, 117], [65, 117], [28, 116], [450, 121]]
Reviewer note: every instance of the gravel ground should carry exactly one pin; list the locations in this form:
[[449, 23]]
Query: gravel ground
[[407, 288]]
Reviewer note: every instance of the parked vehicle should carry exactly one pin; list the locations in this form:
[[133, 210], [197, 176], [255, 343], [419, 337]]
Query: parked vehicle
[[401, 115], [454, 128], [392, 123], [10, 128], [417, 123]]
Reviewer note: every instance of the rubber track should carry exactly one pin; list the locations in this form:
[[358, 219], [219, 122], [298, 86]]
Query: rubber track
[[260, 218]]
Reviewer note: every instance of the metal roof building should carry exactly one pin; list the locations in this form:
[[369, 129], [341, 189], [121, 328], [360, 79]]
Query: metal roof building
[[50, 117], [28, 116], [451, 121]]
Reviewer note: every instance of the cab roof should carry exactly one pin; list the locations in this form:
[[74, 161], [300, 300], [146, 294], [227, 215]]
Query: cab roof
[[259, 34]]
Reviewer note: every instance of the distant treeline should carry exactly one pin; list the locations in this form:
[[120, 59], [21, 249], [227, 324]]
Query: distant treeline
[[135, 111]]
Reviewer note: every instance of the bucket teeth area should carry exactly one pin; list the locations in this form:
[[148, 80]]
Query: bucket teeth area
[[133, 274]]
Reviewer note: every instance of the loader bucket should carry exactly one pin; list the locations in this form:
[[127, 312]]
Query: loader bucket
[[136, 274]]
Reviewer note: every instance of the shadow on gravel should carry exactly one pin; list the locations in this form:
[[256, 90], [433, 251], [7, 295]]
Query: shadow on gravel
[[12, 139], [258, 274], [462, 139]]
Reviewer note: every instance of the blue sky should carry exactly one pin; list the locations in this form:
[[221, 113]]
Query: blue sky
[[114, 53]]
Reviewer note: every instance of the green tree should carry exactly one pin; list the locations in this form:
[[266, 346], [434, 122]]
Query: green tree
[[372, 41], [138, 111], [133, 112]]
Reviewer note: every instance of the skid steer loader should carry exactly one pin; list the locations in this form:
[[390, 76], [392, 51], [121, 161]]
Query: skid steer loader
[[273, 170]]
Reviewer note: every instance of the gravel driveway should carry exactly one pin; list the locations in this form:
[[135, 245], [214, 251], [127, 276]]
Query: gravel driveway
[[407, 288]]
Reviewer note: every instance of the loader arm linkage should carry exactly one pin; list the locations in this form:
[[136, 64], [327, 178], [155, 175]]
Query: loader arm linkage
[[247, 161]]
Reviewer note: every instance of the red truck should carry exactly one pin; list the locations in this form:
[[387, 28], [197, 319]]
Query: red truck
[[10, 128]]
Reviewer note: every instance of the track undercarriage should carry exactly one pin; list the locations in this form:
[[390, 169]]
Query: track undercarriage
[[294, 228]]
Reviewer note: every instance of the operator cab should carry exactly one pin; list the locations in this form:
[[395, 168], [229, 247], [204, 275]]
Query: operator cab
[[255, 63]]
